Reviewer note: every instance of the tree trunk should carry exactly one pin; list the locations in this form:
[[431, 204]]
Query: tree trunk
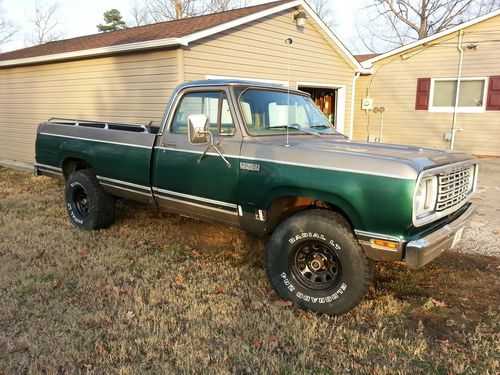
[[178, 9]]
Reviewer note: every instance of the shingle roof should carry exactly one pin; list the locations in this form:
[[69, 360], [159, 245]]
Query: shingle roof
[[162, 30], [365, 57]]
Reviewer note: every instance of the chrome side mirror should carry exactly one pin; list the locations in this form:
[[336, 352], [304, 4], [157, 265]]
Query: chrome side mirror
[[198, 130]]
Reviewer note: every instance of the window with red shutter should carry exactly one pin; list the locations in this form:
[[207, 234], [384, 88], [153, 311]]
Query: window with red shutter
[[423, 90], [493, 100]]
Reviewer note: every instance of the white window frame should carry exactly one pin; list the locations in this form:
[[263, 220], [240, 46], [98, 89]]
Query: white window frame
[[451, 109], [339, 102]]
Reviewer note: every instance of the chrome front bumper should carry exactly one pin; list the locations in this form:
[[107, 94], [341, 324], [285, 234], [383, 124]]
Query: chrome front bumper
[[420, 252]]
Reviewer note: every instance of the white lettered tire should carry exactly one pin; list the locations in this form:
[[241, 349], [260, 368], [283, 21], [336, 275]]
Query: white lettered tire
[[314, 260], [88, 206]]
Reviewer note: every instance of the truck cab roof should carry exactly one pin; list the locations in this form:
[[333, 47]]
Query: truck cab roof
[[234, 82]]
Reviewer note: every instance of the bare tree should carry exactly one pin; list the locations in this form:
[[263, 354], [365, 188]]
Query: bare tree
[[324, 11], [167, 10], [140, 15], [392, 23], [7, 28], [216, 6], [45, 22]]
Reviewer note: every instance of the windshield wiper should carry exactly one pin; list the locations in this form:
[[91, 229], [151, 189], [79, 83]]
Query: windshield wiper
[[320, 126], [294, 127]]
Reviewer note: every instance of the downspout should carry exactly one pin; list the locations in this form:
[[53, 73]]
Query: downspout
[[457, 94], [353, 99]]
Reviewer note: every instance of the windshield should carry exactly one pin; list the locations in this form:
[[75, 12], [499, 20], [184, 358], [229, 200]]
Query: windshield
[[268, 112]]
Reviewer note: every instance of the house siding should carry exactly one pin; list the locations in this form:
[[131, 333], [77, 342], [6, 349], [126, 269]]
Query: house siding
[[135, 87], [125, 88], [258, 51], [394, 82]]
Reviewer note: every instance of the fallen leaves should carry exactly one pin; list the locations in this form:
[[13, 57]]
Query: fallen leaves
[[83, 250], [257, 343], [433, 303], [129, 316], [86, 366], [101, 349], [282, 303], [179, 279]]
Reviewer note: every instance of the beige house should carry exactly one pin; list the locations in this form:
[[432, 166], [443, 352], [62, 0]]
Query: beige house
[[128, 75], [411, 95]]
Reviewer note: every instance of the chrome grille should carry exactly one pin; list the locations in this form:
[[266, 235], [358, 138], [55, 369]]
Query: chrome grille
[[454, 187]]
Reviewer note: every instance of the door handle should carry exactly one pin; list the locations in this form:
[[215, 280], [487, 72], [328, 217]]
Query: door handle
[[169, 145]]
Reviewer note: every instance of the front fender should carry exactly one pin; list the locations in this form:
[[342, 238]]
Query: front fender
[[336, 200]]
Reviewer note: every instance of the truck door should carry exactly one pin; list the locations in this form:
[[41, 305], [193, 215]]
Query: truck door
[[183, 181]]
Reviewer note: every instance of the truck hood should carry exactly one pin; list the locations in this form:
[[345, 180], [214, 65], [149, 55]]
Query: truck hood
[[419, 158], [342, 154]]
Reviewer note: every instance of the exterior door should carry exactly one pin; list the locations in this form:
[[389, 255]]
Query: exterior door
[[186, 182]]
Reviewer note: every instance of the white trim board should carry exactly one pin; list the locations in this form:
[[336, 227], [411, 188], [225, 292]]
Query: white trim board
[[95, 51]]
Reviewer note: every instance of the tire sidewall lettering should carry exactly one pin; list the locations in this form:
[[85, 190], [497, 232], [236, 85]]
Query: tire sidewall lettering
[[300, 292], [73, 214]]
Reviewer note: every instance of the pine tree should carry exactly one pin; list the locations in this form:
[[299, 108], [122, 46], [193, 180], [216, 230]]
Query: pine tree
[[113, 20]]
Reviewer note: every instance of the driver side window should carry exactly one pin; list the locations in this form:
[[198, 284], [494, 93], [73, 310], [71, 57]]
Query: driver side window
[[212, 104]]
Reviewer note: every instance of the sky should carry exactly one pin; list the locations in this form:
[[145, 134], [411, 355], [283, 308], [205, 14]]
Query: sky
[[80, 17]]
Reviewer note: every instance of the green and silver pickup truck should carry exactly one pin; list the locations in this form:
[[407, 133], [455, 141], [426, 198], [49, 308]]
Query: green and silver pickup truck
[[264, 159]]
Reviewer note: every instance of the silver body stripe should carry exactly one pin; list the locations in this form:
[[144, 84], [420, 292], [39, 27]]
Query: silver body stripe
[[123, 183], [194, 197], [198, 205], [48, 167], [96, 140], [290, 163], [123, 188]]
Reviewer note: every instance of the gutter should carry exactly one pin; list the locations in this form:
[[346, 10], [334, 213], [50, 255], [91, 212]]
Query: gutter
[[121, 48], [353, 99], [457, 93]]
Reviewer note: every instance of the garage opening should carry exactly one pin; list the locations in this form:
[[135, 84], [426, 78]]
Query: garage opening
[[325, 99], [330, 101]]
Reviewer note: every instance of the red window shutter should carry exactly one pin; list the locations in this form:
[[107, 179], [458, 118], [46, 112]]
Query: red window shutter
[[493, 100], [423, 90]]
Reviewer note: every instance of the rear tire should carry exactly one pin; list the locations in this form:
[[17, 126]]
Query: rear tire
[[88, 206], [314, 260]]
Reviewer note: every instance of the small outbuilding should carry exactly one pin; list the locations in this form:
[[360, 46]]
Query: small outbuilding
[[442, 91], [128, 75]]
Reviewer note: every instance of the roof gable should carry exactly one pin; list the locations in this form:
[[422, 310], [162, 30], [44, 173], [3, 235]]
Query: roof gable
[[368, 63], [164, 34], [158, 31]]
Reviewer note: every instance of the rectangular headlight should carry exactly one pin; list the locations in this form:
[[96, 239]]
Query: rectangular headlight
[[426, 194]]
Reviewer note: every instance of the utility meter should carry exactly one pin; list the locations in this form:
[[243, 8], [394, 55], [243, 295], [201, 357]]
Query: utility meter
[[367, 103]]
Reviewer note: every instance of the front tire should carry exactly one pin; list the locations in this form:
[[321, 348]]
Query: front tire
[[314, 260], [88, 206]]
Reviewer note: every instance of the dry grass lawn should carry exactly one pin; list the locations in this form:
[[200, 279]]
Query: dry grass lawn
[[158, 293]]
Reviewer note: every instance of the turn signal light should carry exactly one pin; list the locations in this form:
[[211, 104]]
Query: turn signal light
[[385, 244]]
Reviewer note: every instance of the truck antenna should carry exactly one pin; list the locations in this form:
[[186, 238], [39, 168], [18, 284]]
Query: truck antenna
[[288, 42]]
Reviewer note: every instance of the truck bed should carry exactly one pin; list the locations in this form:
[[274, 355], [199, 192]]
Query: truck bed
[[120, 154]]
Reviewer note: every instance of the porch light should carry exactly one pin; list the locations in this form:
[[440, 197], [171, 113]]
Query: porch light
[[301, 19]]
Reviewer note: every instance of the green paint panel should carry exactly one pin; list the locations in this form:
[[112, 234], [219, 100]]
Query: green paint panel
[[126, 163], [373, 203], [209, 178]]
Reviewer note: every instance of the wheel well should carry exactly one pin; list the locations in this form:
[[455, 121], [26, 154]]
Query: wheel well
[[284, 207], [72, 165]]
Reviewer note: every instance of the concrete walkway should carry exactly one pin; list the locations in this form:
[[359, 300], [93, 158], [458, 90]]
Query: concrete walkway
[[483, 235]]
